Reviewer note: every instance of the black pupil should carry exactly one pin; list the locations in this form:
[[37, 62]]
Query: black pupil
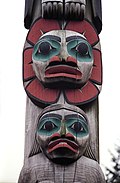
[[49, 126], [77, 127], [44, 48], [82, 49]]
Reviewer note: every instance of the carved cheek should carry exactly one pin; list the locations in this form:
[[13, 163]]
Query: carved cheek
[[42, 140], [86, 69], [39, 69], [83, 141]]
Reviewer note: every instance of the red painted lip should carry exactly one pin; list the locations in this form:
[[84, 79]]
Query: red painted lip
[[63, 143], [63, 71]]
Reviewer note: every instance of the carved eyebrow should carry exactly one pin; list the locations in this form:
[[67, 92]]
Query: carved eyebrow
[[74, 37], [52, 37], [71, 116], [50, 116]]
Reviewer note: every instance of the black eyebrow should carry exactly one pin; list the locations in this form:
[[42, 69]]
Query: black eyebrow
[[52, 37], [74, 37], [50, 116], [71, 116]]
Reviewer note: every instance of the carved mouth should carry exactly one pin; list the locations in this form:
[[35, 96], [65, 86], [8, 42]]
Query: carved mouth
[[63, 71], [63, 143]]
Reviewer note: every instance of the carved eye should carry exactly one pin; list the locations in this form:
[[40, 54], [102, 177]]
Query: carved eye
[[82, 48], [44, 48], [77, 127], [49, 126]]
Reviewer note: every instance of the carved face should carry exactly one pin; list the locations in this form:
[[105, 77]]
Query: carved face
[[62, 57], [63, 135], [68, 63]]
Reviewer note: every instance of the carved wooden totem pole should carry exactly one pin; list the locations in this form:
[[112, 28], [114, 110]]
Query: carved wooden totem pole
[[62, 76]]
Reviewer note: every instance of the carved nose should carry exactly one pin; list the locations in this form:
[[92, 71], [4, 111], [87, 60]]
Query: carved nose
[[63, 130], [63, 53], [63, 60]]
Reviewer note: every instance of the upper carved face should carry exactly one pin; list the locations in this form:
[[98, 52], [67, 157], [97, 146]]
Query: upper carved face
[[63, 135], [62, 57]]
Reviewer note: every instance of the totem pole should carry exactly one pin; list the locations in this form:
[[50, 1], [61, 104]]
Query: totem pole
[[62, 77]]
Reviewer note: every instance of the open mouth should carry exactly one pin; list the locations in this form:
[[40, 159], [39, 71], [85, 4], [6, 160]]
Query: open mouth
[[63, 143], [63, 71]]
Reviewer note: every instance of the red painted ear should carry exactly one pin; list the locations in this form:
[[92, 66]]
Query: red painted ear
[[84, 27], [28, 72], [96, 75], [40, 27]]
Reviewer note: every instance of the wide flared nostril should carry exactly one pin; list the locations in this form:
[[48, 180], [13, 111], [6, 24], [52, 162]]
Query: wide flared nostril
[[71, 59], [54, 59]]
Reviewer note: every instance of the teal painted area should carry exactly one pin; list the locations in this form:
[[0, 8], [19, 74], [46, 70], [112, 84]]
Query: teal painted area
[[54, 50], [76, 126], [49, 126], [72, 50]]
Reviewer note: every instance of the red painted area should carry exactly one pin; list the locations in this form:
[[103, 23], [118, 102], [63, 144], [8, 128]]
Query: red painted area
[[84, 95], [63, 143], [40, 27], [36, 91], [55, 135], [39, 92], [63, 71], [84, 28], [55, 58], [96, 74], [71, 59], [27, 65]]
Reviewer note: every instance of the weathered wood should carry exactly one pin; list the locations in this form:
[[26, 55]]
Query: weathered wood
[[39, 84], [39, 169], [62, 70], [29, 77], [92, 111], [76, 10], [32, 113]]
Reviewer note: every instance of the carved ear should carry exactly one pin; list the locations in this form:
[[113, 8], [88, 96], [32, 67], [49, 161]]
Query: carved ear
[[35, 149], [28, 13], [89, 153], [97, 14]]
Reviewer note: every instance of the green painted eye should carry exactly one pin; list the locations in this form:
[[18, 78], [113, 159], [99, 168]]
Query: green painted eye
[[81, 50], [45, 49], [48, 126], [78, 127]]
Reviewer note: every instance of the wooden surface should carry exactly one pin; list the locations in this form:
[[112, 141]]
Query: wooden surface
[[37, 167], [32, 113], [90, 9], [40, 169]]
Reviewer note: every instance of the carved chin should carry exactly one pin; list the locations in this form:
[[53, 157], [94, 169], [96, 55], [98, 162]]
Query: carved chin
[[63, 83], [63, 155]]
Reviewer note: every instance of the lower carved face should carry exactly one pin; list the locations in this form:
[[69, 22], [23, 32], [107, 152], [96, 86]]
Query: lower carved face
[[63, 135], [62, 57]]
